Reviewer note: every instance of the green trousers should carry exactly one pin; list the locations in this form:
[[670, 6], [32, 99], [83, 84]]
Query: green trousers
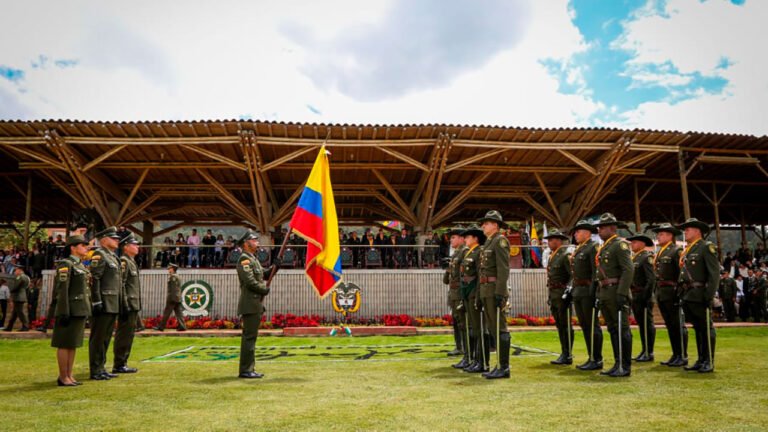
[[250, 324], [102, 327], [126, 330]]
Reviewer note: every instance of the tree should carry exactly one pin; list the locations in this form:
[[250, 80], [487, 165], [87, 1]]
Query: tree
[[14, 237]]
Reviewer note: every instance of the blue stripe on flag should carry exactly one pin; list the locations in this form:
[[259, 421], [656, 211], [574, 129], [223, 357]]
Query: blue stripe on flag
[[312, 202]]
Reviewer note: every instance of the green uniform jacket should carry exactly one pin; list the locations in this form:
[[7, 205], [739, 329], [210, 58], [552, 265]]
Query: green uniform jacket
[[252, 285], [667, 272], [700, 272], [452, 276], [19, 287], [558, 273], [583, 269], [174, 289], [73, 297], [761, 288], [469, 269], [131, 284], [614, 261], [728, 288], [494, 263], [107, 280], [644, 277]]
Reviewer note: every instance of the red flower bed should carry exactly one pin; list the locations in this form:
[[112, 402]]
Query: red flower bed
[[279, 321]]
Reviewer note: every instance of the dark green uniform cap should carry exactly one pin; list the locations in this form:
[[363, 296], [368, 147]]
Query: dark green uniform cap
[[75, 240], [584, 225], [247, 235], [609, 219], [110, 232], [129, 239], [493, 216], [555, 233], [643, 238], [695, 223], [476, 232], [666, 227]]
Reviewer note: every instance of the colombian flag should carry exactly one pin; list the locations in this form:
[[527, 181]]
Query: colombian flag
[[315, 221], [535, 251]]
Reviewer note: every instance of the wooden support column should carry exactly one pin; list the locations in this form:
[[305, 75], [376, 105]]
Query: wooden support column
[[716, 205], [743, 226], [28, 212], [147, 237], [684, 184], [637, 208]]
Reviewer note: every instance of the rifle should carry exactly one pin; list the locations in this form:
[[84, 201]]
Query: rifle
[[275, 267]]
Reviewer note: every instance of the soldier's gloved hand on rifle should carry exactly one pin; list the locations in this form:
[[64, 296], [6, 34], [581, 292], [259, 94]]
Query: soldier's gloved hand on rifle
[[460, 307], [501, 301], [62, 320], [622, 301], [478, 303], [98, 309], [568, 295]]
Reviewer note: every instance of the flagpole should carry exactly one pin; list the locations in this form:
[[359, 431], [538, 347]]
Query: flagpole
[[275, 267]]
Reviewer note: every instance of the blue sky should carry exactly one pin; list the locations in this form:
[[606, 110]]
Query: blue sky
[[657, 64]]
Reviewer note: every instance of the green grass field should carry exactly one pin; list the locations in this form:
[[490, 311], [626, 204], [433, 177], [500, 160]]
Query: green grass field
[[407, 384]]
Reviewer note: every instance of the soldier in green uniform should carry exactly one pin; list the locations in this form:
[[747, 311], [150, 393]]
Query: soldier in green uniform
[[667, 267], [73, 306], [643, 284], [699, 279], [129, 307], [494, 295], [18, 287], [173, 301], [106, 297], [479, 353], [451, 278], [584, 293], [613, 272], [558, 277], [758, 297], [727, 294], [253, 288]]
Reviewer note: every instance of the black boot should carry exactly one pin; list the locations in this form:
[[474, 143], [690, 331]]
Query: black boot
[[615, 345], [503, 370], [465, 361], [457, 340]]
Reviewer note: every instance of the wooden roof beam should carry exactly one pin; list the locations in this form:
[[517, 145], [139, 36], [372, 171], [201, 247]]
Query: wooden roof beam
[[473, 159], [407, 159], [230, 199], [587, 167], [215, 156], [135, 189], [402, 206], [291, 156], [445, 212], [555, 211], [106, 155], [46, 160]]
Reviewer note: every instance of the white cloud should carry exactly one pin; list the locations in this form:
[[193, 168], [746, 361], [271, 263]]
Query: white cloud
[[697, 37]]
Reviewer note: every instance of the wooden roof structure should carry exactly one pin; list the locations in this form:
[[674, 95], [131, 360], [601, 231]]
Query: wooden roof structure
[[246, 172]]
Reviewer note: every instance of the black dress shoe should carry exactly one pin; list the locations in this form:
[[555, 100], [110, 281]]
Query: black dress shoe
[[8, 329], [462, 364], [476, 368], [42, 329], [679, 362], [611, 370], [181, 329], [671, 360], [109, 375], [707, 367], [645, 358], [24, 329], [250, 375], [593, 365], [559, 361], [454, 353], [498, 373], [619, 373], [124, 369], [158, 328], [490, 372], [694, 367], [639, 356], [60, 383], [99, 377]]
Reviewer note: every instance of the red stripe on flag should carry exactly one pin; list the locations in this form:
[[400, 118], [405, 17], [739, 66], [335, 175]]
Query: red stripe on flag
[[321, 278], [309, 225]]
